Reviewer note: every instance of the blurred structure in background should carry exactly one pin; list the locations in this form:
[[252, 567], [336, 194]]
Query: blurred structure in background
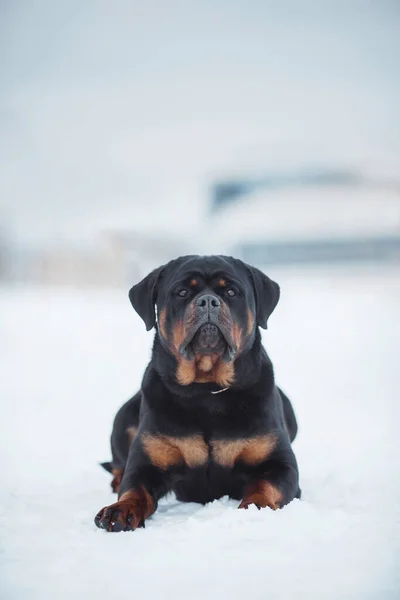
[[132, 133], [114, 259], [310, 217]]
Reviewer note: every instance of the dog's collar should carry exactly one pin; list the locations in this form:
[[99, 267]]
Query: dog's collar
[[219, 391]]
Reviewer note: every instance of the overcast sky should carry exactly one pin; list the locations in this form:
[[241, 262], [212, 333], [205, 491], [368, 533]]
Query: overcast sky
[[108, 108]]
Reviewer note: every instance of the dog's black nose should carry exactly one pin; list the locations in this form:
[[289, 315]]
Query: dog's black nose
[[208, 302]]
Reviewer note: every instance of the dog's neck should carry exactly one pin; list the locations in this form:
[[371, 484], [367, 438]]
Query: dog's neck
[[250, 367], [219, 391]]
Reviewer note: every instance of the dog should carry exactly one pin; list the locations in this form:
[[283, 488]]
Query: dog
[[209, 420]]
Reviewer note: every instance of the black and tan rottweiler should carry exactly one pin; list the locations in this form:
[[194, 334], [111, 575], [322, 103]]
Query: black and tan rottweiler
[[209, 420]]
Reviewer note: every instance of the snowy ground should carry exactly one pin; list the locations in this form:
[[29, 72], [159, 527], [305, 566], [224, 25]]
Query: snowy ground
[[69, 359]]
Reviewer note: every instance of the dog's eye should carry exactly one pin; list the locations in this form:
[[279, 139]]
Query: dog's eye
[[183, 292], [231, 292]]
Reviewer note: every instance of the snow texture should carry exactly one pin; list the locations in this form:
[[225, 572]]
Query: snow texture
[[68, 359]]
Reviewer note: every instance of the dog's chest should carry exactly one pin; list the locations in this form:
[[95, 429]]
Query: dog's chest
[[194, 451]]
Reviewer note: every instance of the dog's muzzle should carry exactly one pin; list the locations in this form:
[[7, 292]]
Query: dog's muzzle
[[208, 332]]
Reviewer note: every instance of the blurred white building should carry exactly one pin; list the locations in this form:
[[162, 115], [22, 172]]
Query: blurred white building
[[116, 258], [358, 220]]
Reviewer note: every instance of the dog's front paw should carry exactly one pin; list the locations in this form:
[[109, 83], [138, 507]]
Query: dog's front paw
[[262, 494], [128, 513], [121, 516]]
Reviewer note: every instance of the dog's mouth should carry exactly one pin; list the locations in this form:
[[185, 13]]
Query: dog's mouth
[[209, 339]]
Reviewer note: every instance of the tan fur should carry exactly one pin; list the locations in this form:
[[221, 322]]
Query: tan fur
[[250, 321], [205, 364], [166, 451], [262, 494], [161, 322], [202, 369], [140, 500], [225, 316], [117, 474], [222, 373], [250, 451], [205, 369], [186, 371], [237, 335], [225, 374], [178, 336]]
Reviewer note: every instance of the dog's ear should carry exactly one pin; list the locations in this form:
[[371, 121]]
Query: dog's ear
[[143, 297], [267, 294]]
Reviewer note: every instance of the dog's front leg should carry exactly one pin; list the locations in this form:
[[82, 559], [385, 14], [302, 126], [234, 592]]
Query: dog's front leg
[[276, 486], [142, 485]]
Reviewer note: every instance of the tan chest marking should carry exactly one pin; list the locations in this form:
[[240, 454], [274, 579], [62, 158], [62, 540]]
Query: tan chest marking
[[251, 451], [165, 451]]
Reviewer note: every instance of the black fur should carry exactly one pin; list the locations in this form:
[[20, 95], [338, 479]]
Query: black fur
[[251, 406]]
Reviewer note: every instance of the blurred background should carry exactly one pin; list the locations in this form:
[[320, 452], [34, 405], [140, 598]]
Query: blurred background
[[134, 132]]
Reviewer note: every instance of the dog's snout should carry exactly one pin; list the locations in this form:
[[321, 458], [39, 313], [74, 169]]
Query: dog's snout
[[208, 302]]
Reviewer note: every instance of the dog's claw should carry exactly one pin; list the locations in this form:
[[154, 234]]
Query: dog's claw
[[97, 519], [114, 515], [246, 505]]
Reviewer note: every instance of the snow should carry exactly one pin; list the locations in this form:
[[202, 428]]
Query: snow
[[68, 359]]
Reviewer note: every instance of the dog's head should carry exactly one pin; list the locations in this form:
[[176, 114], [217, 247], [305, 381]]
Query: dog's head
[[208, 309]]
